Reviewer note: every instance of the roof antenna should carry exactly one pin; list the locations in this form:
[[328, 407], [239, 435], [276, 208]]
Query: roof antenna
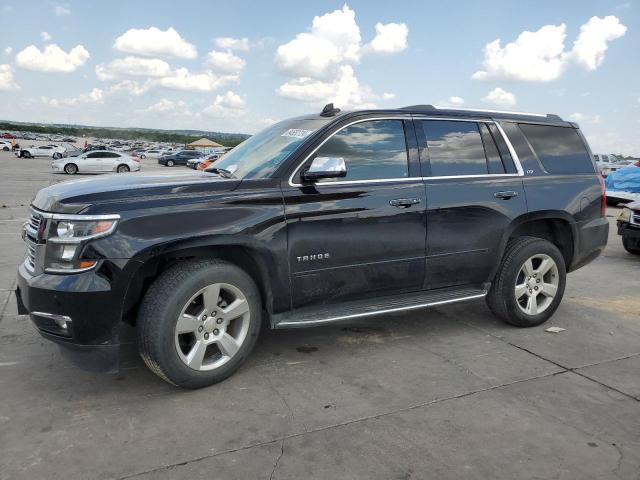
[[329, 110]]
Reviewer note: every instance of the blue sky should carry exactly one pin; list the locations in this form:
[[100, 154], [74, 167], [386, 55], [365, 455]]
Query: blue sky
[[238, 66]]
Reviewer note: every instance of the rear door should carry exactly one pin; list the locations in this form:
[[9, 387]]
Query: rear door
[[92, 163], [362, 235], [474, 191]]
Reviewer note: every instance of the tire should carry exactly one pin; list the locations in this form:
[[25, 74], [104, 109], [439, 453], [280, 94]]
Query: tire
[[123, 169], [170, 163], [70, 169], [6, 149], [179, 289], [143, 156], [25, 155], [627, 246], [512, 290]]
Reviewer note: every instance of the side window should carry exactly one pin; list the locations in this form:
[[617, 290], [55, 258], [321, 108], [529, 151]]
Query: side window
[[494, 162], [455, 148], [371, 150], [505, 155], [560, 149], [94, 155]]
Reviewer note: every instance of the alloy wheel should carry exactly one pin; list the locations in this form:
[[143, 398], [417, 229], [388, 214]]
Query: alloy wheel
[[537, 284], [212, 327]]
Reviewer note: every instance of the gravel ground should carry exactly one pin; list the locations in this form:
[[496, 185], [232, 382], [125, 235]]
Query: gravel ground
[[446, 393]]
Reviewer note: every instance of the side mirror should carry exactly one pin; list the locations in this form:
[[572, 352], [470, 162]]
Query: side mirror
[[325, 167]]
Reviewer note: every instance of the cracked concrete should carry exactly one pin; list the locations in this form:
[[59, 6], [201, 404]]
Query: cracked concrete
[[446, 393]]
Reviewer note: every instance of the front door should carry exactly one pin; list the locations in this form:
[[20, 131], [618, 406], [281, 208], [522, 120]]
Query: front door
[[474, 191], [362, 235]]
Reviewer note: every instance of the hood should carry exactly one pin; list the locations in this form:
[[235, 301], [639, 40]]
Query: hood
[[75, 196]]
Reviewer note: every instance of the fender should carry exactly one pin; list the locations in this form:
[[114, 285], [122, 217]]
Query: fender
[[533, 216]]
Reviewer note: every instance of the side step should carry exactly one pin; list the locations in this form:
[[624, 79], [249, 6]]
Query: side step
[[318, 315]]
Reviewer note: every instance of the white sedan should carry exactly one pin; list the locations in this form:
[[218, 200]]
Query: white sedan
[[53, 151], [96, 161]]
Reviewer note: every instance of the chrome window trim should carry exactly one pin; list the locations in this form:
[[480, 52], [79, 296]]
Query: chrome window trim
[[348, 182], [512, 152]]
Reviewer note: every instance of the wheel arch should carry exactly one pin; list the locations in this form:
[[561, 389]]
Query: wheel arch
[[558, 227], [255, 261]]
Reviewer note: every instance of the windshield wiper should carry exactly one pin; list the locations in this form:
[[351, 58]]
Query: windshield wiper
[[223, 172]]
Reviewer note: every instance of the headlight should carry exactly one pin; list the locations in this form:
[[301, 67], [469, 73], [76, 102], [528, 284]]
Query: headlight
[[625, 215], [67, 234]]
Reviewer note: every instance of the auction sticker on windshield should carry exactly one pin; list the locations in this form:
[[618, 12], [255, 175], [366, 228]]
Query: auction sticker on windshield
[[297, 133]]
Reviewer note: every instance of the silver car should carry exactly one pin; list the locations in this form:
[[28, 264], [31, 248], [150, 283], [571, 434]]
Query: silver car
[[97, 161]]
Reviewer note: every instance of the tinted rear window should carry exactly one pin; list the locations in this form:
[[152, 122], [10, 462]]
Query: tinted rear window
[[560, 149]]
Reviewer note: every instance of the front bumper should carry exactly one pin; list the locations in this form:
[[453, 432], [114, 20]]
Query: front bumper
[[88, 304], [630, 233]]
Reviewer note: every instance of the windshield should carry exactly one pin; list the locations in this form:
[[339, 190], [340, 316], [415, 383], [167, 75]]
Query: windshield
[[260, 155]]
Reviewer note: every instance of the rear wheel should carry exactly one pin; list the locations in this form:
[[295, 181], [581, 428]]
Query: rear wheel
[[198, 322], [123, 169], [529, 284], [629, 246], [71, 168]]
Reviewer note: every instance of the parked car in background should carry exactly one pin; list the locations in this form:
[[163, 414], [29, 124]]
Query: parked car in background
[[207, 162], [53, 151], [179, 158], [8, 135], [153, 153], [5, 146], [608, 163], [69, 139], [97, 161], [629, 227]]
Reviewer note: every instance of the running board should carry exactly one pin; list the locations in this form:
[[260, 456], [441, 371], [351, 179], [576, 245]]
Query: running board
[[310, 316]]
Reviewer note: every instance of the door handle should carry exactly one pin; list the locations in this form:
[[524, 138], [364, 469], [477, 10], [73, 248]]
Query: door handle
[[506, 195], [404, 202]]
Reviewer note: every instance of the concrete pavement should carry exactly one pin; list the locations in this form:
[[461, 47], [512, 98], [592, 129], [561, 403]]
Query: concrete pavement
[[446, 393]]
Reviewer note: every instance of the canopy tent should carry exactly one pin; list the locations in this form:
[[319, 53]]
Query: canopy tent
[[204, 143]]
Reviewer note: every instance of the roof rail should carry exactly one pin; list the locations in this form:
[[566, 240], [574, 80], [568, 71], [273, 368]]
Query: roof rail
[[551, 116]]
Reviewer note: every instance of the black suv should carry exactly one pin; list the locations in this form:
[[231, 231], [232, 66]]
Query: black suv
[[179, 158], [316, 219]]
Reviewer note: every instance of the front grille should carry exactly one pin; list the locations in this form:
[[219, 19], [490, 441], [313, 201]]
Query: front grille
[[32, 229], [635, 218]]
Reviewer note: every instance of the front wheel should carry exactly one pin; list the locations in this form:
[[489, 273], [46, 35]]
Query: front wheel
[[170, 163], [71, 169], [198, 322], [530, 282], [630, 247]]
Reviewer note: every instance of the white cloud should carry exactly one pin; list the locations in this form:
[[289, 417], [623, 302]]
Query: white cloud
[[130, 87], [230, 43], [6, 78], [52, 58], [540, 56], [591, 44], [534, 56], [345, 91], [153, 42], [500, 97], [61, 10], [182, 79], [45, 36], [225, 62], [321, 59], [95, 96], [228, 105], [388, 96], [390, 38], [168, 106], [334, 38], [585, 118], [8, 51], [133, 66], [454, 101]]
